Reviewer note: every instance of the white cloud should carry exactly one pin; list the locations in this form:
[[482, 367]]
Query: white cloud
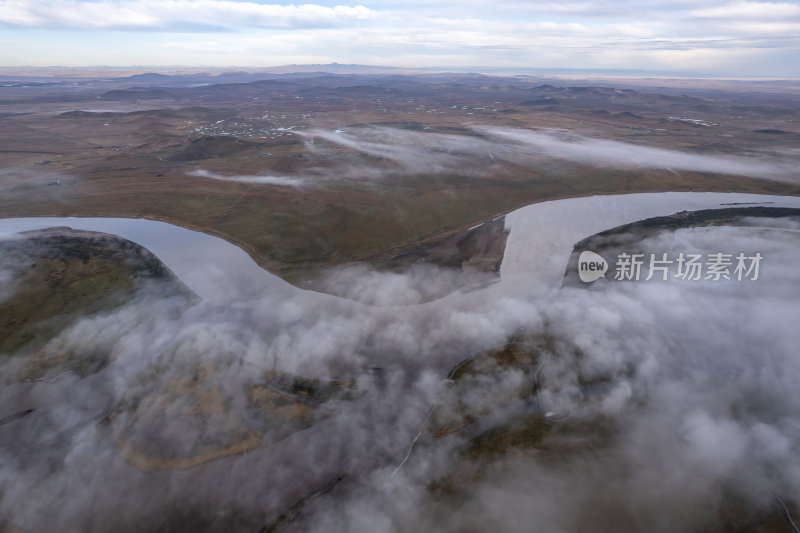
[[702, 379], [749, 10], [167, 14], [605, 35], [287, 181], [412, 152], [606, 152]]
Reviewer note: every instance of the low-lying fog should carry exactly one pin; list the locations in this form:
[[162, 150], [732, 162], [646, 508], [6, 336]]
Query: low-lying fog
[[481, 151], [700, 393]]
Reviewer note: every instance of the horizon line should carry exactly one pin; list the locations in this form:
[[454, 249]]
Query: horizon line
[[555, 72]]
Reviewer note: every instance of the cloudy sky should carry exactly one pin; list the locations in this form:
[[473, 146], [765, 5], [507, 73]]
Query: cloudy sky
[[721, 37]]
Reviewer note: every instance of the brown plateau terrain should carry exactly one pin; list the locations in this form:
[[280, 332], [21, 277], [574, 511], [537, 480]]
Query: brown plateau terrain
[[149, 145]]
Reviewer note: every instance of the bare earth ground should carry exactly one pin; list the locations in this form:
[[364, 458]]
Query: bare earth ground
[[133, 158]]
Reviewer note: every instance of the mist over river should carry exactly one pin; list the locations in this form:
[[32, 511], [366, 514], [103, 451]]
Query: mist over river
[[699, 384]]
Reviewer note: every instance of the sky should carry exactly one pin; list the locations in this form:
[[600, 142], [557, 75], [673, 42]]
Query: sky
[[702, 37]]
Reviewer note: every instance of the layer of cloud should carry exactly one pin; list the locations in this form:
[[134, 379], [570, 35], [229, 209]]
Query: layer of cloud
[[606, 152], [287, 181], [168, 14], [393, 151], [697, 404], [724, 37], [698, 385], [418, 284], [415, 152]]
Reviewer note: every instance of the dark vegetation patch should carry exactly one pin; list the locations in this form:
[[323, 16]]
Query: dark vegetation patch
[[65, 275], [213, 147]]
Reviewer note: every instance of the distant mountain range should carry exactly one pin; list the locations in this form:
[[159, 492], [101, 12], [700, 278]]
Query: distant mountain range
[[145, 72]]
